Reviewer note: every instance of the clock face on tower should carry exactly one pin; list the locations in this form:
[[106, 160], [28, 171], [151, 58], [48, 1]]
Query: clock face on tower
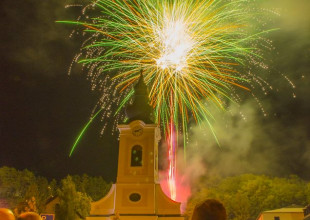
[[137, 131]]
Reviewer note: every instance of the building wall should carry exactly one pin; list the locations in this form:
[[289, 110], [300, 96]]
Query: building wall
[[283, 216], [137, 195], [135, 218], [50, 207], [307, 212]]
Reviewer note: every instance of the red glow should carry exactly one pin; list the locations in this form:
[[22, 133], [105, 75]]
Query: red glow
[[172, 148], [174, 186], [183, 190]]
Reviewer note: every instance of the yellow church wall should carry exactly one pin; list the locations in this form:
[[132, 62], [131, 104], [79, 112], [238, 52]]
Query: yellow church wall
[[171, 218], [99, 218], [138, 218], [126, 173], [135, 218], [164, 204], [135, 180], [144, 206], [148, 141], [104, 206]]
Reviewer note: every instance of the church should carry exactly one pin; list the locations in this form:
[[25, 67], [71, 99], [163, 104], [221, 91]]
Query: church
[[137, 194]]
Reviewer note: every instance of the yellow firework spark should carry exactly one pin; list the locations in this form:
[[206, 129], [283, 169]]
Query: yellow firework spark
[[190, 52]]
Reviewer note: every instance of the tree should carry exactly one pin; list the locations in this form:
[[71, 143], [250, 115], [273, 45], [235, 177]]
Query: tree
[[14, 184], [308, 193], [24, 191], [247, 195], [72, 204], [95, 187]]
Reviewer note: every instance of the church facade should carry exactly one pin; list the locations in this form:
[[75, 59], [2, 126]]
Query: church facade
[[137, 194]]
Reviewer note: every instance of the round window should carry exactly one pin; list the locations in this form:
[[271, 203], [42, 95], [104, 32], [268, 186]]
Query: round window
[[135, 197]]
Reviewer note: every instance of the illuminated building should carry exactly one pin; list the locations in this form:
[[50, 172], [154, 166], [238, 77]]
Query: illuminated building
[[293, 213], [137, 193]]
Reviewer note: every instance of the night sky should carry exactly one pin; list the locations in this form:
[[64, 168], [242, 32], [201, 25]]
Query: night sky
[[42, 108]]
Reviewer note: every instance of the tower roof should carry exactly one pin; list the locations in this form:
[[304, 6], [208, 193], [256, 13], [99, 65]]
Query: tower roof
[[140, 108]]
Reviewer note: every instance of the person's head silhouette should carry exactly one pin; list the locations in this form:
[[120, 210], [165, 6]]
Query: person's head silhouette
[[6, 214], [29, 216], [210, 209]]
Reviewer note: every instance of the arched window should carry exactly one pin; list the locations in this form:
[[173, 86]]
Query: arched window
[[136, 156]]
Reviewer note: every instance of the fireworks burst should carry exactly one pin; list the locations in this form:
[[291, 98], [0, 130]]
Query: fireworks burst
[[191, 53]]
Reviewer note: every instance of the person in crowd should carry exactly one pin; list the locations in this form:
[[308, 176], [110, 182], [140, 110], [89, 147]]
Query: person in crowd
[[210, 209], [29, 216], [6, 214]]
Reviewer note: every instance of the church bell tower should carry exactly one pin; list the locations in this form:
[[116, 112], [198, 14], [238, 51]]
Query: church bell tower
[[137, 194]]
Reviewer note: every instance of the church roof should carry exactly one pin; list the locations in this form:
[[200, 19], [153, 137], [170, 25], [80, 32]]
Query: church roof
[[285, 210], [140, 108]]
